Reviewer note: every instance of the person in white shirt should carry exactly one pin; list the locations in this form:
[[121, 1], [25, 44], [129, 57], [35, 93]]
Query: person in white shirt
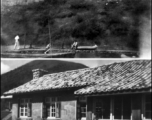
[[17, 44]]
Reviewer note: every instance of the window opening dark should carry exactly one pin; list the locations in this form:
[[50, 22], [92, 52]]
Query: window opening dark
[[103, 108]]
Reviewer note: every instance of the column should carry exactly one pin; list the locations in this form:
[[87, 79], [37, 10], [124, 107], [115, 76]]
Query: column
[[89, 108], [111, 108]]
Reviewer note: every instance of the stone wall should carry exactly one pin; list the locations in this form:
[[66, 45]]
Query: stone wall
[[37, 107], [36, 110], [68, 109]]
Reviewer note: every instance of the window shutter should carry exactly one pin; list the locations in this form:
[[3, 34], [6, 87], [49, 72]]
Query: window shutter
[[28, 112], [78, 110], [48, 110], [29, 109], [58, 108], [44, 114], [19, 108]]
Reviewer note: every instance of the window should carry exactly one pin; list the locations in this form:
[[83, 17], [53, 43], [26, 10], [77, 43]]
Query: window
[[81, 108], [82, 99], [148, 107], [103, 108], [122, 108], [53, 107], [8, 104], [25, 107]]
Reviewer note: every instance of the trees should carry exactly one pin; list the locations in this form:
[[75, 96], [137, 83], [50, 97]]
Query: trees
[[61, 21]]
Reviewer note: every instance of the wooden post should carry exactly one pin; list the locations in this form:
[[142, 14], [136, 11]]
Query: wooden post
[[93, 109], [122, 109], [78, 109], [131, 106], [89, 108], [111, 108], [143, 108]]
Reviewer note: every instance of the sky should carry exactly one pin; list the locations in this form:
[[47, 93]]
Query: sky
[[10, 64]]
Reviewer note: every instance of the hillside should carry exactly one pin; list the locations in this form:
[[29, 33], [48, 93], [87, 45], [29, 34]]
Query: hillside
[[111, 25], [24, 74]]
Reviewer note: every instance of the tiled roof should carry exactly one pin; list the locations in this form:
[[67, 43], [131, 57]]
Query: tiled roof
[[114, 77], [50, 81], [134, 75]]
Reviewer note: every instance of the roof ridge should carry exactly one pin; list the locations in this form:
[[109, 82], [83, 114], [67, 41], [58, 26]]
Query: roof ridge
[[64, 72], [93, 67]]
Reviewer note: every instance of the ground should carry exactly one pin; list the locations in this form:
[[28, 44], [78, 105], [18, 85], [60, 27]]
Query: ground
[[4, 113]]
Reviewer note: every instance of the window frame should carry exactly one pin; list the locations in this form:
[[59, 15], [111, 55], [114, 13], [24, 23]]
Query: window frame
[[49, 102], [26, 102], [83, 100]]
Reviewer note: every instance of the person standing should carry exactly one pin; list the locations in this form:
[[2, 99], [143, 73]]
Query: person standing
[[17, 44]]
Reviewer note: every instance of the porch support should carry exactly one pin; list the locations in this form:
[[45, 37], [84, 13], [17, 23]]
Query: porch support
[[111, 108], [143, 108], [89, 108]]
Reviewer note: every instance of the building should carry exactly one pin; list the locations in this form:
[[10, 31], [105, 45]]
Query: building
[[118, 91], [6, 102]]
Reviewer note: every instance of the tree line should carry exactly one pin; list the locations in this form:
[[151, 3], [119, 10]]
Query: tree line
[[63, 21]]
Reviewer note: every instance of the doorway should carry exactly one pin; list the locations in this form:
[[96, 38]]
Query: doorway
[[122, 108], [102, 108]]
